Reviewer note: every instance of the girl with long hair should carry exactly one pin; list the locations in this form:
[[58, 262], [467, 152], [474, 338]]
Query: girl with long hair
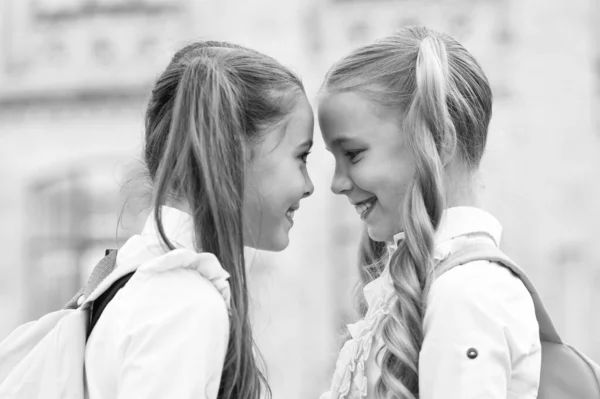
[[406, 119], [227, 134]]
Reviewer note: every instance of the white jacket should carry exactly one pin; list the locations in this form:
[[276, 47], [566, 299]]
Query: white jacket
[[166, 332]]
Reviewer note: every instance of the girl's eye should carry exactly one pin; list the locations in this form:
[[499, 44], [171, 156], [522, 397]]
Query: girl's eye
[[353, 155], [304, 156]]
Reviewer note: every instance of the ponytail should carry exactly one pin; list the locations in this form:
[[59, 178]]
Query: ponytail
[[433, 141], [430, 101], [203, 164]]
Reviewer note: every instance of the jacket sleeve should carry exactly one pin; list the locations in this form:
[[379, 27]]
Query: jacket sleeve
[[469, 324], [175, 338]]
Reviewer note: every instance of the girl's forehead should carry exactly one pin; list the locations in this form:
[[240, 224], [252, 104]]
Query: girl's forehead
[[299, 123], [351, 109], [349, 120], [346, 116], [344, 102], [295, 129]]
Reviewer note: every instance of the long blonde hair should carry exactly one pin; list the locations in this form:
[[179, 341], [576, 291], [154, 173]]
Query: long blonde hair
[[444, 103], [211, 105]]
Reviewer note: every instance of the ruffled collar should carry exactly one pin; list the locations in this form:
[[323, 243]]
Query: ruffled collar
[[456, 222]]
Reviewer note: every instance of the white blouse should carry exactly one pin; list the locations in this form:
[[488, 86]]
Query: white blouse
[[481, 337], [165, 334]]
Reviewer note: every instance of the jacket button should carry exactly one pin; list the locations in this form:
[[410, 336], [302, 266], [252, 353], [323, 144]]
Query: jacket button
[[472, 353], [80, 300]]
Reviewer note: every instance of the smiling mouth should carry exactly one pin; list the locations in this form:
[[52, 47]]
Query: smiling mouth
[[363, 207], [290, 212]]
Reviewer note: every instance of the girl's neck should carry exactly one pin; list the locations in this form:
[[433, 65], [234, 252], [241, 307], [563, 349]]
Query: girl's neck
[[461, 186]]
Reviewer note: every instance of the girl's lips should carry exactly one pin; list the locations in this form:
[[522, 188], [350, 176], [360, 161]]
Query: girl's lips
[[289, 214], [363, 206], [364, 210]]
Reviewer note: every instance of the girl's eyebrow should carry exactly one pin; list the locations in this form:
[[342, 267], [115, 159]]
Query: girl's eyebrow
[[306, 144], [338, 142]]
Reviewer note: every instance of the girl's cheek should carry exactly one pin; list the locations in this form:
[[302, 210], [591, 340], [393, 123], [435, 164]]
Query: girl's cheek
[[356, 173]]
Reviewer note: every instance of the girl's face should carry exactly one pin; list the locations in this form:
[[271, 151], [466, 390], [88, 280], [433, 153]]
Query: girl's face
[[277, 179], [374, 165]]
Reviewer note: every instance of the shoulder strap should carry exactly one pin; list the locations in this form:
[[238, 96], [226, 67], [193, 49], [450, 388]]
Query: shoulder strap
[[103, 300], [102, 269], [488, 251]]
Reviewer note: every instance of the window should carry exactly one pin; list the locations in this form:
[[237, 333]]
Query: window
[[72, 218]]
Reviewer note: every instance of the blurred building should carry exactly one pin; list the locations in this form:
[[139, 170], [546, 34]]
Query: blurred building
[[74, 79]]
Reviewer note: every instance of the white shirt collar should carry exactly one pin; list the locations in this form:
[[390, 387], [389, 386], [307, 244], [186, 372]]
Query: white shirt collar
[[466, 220], [177, 225], [456, 222], [462, 220], [142, 248]]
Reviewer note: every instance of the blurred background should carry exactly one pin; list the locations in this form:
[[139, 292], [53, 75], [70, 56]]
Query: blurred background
[[74, 80]]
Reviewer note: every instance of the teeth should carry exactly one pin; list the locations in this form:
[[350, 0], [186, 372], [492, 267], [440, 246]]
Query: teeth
[[290, 214], [362, 208]]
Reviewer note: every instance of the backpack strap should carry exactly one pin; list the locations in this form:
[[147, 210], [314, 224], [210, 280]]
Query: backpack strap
[[486, 250], [100, 272], [103, 300], [104, 267]]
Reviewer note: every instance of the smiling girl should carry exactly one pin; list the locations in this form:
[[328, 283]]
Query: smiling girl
[[228, 131], [406, 119]]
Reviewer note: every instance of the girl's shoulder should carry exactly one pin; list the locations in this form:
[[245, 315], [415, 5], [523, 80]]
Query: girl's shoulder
[[477, 276], [175, 288], [480, 305], [173, 310], [482, 286], [185, 275]]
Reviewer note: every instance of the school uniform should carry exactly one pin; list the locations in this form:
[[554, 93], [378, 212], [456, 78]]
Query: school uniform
[[481, 337], [165, 334]]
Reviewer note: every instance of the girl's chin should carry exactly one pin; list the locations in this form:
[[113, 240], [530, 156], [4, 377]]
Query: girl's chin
[[376, 234], [381, 232], [275, 245], [279, 240]]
